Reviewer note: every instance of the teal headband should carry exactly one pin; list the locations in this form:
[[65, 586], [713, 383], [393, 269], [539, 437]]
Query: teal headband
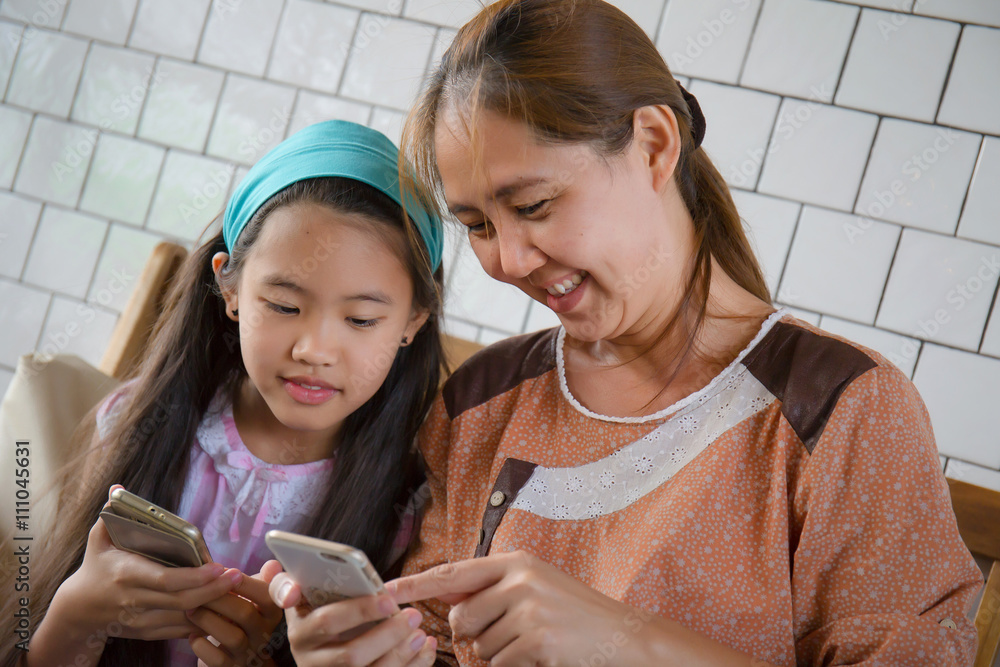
[[330, 148]]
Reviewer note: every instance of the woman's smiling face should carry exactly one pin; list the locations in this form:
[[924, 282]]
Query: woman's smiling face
[[584, 235]]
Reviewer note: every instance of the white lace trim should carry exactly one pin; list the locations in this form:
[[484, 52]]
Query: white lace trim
[[251, 480], [679, 405], [619, 480]]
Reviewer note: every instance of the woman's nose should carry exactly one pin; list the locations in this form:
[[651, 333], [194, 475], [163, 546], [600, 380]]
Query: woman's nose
[[518, 254]]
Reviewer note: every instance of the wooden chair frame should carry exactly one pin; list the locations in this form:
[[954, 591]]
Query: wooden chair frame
[[977, 509]]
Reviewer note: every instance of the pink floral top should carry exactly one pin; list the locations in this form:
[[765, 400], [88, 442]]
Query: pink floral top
[[235, 498]]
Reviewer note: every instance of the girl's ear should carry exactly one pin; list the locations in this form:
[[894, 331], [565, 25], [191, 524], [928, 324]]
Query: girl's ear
[[219, 260], [417, 320]]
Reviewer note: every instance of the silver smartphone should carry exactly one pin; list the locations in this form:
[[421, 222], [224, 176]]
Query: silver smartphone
[[326, 571], [139, 526]]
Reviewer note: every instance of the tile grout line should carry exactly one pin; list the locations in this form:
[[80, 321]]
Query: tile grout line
[[986, 323], [131, 25], [31, 243], [864, 172], [968, 186], [791, 244], [888, 274], [274, 43], [847, 56], [13, 65], [947, 77], [350, 52], [79, 80], [24, 150], [753, 34], [767, 144], [659, 24], [204, 29], [100, 254]]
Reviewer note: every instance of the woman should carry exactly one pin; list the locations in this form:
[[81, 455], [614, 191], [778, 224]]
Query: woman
[[679, 474]]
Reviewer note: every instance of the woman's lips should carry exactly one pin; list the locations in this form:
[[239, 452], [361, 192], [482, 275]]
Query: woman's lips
[[309, 390]]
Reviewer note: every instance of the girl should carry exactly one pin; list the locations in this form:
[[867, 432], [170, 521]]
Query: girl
[[679, 474], [283, 388]]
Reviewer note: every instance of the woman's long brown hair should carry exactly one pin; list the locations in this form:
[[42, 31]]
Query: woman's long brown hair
[[575, 71], [193, 353]]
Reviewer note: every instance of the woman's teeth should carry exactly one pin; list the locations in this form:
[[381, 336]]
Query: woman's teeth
[[568, 285]]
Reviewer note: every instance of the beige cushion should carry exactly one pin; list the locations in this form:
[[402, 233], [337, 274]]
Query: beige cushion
[[46, 400]]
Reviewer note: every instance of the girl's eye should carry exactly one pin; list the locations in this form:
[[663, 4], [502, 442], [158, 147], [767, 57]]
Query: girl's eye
[[361, 323], [284, 310], [528, 211]]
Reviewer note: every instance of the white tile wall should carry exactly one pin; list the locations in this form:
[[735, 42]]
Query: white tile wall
[[181, 105], [169, 27], [312, 45], [106, 20], [973, 94], [707, 38], [961, 393], [53, 58], [918, 175], [901, 70], [741, 122], [14, 126], [65, 250], [835, 266], [940, 289], [798, 48], [18, 218], [980, 220], [238, 35], [122, 179], [817, 153], [795, 92], [113, 88]]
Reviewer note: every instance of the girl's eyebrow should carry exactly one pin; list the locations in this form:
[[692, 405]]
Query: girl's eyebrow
[[283, 282]]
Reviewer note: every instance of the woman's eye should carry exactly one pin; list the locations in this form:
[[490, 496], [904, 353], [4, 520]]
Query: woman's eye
[[362, 323], [477, 229], [284, 310], [533, 208]]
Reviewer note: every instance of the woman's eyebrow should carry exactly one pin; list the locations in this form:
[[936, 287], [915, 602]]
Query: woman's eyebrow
[[283, 282], [501, 194], [377, 296]]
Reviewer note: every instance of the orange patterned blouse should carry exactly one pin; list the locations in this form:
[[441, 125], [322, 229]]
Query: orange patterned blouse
[[793, 509]]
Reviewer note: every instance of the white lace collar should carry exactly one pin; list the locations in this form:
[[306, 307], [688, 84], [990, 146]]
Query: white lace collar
[[679, 405], [268, 491]]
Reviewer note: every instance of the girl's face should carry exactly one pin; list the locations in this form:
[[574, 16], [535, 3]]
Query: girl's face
[[324, 302], [607, 245]]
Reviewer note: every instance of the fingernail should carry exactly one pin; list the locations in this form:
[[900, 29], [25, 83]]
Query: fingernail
[[386, 606], [236, 577], [417, 640], [217, 569], [413, 617], [283, 592]]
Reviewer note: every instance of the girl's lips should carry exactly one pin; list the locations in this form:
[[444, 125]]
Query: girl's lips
[[566, 303], [308, 395]]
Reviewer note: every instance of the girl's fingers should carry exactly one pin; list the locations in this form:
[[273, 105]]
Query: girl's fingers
[[268, 571], [208, 653], [232, 638], [245, 615], [191, 597], [405, 652], [256, 591], [316, 627]]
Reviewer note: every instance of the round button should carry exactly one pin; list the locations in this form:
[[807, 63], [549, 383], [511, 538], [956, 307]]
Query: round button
[[497, 498], [950, 624]]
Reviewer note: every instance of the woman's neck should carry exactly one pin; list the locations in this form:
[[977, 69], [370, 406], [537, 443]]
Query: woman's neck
[[657, 363]]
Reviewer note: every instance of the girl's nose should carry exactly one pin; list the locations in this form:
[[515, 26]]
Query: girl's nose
[[317, 345]]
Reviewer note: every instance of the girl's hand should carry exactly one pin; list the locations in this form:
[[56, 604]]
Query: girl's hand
[[117, 593], [241, 622], [519, 610], [318, 636]]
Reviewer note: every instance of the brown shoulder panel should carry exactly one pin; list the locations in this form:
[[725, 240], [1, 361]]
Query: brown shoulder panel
[[499, 368], [807, 372]]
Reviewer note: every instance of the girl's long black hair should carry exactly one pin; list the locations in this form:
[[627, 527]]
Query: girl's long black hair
[[194, 352]]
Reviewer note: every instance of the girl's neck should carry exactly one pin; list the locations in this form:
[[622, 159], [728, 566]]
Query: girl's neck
[[270, 440]]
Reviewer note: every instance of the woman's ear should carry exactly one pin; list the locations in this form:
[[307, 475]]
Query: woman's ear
[[657, 136], [417, 320], [219, 260]]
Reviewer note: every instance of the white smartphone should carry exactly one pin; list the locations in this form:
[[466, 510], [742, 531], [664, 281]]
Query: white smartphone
[[326, 571]]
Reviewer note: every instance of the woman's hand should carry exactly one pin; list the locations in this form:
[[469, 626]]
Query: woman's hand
[[320, 637], [519, 610], [240, 622]]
